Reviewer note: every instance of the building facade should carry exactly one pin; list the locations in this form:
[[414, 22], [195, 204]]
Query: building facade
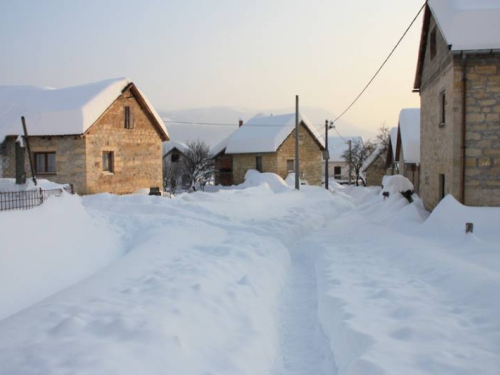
[[459, 86]]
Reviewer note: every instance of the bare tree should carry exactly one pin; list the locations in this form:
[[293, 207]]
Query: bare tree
[[383, 137], [360, 151], [198, 164]]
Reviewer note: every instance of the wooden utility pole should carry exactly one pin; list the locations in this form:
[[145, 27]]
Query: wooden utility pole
[[297, 169], [350, 160], [327, 155], [26, 140]]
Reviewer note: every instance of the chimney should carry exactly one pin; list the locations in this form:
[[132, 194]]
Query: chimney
[[240, 123]]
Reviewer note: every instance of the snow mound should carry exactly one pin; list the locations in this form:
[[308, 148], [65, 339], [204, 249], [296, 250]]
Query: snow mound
[[272, 181], [396, 184], [450, 216], [65, 245]]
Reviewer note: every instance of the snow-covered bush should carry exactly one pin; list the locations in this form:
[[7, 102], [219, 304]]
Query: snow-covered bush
[[397, 184]]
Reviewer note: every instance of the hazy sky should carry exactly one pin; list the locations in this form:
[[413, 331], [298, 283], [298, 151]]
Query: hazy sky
[[254, 54]]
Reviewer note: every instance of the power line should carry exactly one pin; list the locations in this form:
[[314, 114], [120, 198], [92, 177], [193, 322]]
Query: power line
[[383, 64]]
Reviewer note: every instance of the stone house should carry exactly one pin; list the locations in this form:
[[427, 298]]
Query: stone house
[[101, 137], [373, 169], [267, 144], [458, 79], [338, 167], [408, 145]]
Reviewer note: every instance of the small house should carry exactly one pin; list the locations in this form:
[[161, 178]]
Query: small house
[[101, 137], [267, 144], [174, 176], [373, 168]]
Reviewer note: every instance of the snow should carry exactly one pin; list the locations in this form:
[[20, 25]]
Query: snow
[[396, 184], [409, 129], [337, 146], [266, 134], [170, 145], [49, 248], [468, 25], [9, 184], [64, 111], [260, 279]]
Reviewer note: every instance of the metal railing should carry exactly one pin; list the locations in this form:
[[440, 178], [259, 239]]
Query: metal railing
[[27, 199]]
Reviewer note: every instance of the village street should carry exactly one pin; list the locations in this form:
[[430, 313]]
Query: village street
[[264, 280]]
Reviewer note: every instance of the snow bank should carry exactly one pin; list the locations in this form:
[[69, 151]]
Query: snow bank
[[48, 248], [272, 181], [396, 184], [397, 298]]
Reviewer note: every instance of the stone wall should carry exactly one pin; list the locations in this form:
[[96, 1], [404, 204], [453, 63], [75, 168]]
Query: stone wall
[[376, 172], [310, 159], [70, 159], [137, 151], [440, 146], [243, 162]]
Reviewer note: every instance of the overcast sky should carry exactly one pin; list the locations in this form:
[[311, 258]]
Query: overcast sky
[[255, 54]]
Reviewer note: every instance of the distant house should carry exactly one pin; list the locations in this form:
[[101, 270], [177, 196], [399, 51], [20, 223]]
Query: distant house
[[338, 167], [408, 145], [390, 160], [101, 137], [267, 144], [458, 78], [373, 168], [173, 175]]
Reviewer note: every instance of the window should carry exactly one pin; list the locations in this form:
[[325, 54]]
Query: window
[[175, 158], [45, 162], [442, 110], [290, 167], [441, 186], [433, 42], [108, 162], [129, 123], [337, 172], [258, 163]]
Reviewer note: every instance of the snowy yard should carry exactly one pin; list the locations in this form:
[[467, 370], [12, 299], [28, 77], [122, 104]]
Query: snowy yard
[[255, 280]]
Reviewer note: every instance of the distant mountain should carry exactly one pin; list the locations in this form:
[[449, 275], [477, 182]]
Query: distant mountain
[[219, 122]]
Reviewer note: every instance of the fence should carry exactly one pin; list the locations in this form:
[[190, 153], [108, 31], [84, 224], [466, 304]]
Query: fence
[[26, 199]]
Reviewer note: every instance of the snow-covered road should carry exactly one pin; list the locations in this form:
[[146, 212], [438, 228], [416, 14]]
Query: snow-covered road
[[263, 280]]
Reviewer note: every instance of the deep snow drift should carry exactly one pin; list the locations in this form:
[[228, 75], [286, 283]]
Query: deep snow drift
[[260, 280]]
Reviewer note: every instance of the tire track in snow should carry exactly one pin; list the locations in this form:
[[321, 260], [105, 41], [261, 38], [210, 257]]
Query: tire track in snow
[[304, 348]]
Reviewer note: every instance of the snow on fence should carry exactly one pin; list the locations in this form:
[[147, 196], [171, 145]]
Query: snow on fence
[[26, 199]]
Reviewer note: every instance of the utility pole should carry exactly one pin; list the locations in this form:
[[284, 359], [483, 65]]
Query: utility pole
[[350, 160], [297, 170], [327, 155], [26, 141]]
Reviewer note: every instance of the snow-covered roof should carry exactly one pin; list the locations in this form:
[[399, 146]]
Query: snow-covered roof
[[64, 111], [373, 156], [337, 146], [468, 25], [409, 131], [170, 145], [265, 134]]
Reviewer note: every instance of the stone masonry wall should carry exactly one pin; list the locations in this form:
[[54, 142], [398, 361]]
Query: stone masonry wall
[[70, 159], [439, 145], [482, 155], [137, 151], [243, 162], [376, 172]]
